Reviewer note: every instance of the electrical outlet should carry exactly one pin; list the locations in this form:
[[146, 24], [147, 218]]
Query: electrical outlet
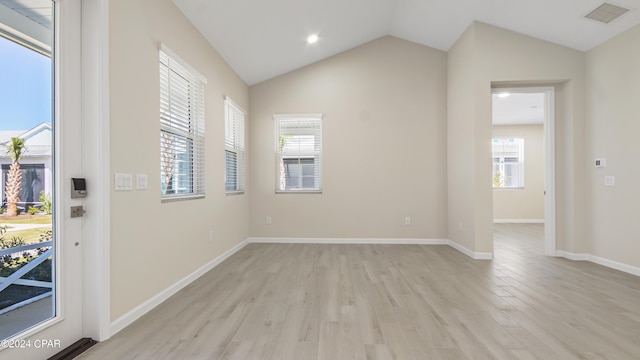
[[407, 221], [268, 220], [210, 236]]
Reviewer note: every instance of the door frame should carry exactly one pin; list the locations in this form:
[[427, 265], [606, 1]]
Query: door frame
[[97, 169], [549, 159]]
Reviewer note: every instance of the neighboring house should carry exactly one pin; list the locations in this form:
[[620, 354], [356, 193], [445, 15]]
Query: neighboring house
[[35, 163]]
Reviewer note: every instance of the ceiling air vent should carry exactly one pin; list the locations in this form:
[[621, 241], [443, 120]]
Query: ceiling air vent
[[606, 13]]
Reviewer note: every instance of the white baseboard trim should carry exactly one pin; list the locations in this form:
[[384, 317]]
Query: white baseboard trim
[[572, 256], [156, 300], [633, 270], [615, 265], [389, 241], [469, 252], [518, 221]]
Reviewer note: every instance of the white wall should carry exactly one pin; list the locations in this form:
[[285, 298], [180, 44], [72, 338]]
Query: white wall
[[384, 145], [514, 205], [153, 244], [487, 56], [461, 140], [613, 130]]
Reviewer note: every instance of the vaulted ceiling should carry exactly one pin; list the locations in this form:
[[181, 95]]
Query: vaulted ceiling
[[262, 39]]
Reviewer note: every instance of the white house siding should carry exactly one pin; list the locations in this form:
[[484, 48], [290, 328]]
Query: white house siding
[[38, 141]]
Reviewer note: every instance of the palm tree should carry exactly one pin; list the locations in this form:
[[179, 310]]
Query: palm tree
[[15, 149], [167, 160], [283, 176]]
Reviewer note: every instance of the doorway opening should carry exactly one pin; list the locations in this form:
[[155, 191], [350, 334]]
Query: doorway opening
[[523, 173]]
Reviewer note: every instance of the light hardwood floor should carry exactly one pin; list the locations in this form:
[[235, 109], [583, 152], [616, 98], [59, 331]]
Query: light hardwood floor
[[301, 301]]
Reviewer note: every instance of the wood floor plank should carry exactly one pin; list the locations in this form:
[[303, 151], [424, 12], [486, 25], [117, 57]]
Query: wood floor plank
[[305, 351], [312, 301]]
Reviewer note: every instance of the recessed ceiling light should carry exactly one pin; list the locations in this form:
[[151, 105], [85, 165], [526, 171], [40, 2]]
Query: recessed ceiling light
[[503, 95], [312, 39]]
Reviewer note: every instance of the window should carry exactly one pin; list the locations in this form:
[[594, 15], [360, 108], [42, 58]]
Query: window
[[233, 147], [508, 167], [298, 148], [33, 182], [181, 128]]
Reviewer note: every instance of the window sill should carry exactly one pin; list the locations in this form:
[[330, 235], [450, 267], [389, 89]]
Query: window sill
[[298, 191], [167, 199], [233, 193]]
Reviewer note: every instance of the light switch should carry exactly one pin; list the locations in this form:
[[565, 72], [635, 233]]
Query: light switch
[[609, 181], [123, 182], [141, 181]]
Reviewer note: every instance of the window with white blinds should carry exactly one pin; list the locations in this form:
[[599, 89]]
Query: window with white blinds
[[299, 150], [182, 173], [508, 163], [233, 147]]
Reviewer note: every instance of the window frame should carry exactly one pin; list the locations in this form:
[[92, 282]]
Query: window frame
[[315, 154], [235, 139], [182, 122]]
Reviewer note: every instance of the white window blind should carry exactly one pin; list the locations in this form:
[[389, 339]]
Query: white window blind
[[298, 149], [234, 147], [182, 172], [508, 163]]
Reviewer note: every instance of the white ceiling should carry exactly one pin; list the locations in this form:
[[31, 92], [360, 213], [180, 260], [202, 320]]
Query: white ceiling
[[518, 108], [38, 11], [262, 39], [28, 22]]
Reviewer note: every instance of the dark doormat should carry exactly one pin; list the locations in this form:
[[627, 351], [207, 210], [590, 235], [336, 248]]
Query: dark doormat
[[74, 350]]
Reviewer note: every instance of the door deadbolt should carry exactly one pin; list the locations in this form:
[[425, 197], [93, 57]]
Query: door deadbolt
[[77, 211]]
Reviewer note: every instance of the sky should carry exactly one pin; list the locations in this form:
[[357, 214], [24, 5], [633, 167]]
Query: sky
[[25, 87]]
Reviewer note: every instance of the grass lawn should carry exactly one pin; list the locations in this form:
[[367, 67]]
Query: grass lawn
[[43, 219], [29, 236]]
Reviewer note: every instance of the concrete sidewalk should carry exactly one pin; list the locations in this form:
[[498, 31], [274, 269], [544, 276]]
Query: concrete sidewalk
[[17, 227]]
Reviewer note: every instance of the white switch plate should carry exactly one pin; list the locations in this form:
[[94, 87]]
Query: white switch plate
[[123, 182], [609, 181], [141, 181]]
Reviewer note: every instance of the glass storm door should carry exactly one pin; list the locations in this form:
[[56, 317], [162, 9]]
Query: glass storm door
[[41, 256]]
